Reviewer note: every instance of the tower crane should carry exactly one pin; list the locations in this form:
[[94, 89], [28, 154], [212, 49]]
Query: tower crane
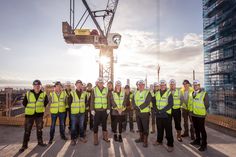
[[100, 37]]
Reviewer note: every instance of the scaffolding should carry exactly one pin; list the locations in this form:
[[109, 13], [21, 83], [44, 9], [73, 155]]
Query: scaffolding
[[219, 23]]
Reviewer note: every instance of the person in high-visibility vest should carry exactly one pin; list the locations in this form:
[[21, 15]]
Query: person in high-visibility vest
[[156, 86], [34, 102], [100, 109], [141, 103], [186, 99], [88, 115], [68, 90], [118, 102], [198, 110], [77, 104], [176, 109], [58, 101], [129, 110], [163, 101]]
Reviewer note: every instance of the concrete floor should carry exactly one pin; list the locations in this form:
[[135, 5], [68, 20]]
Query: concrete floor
[[220, 145]]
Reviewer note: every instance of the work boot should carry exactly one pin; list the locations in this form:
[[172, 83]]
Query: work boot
[[95, 138], [64, 138], [83, 139], [40, 143], [179, 138], [153, 129], [195, 142], [202, 148], [73, 142], [140, 139], [145, 141], [169, 149], [105, 136], [23, 148], [115, 137], [156, 143], [120, 138]]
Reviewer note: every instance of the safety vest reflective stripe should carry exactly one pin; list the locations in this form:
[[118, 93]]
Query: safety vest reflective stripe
[[139, 98], [198, 107], [34, 106], [162, 101], [119, 99], [100, 101], [58, 102], [78, 105], [176, 98]]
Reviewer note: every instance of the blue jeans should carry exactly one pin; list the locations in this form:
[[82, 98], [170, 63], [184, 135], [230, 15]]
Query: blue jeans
[[77, 119], [53, 124]]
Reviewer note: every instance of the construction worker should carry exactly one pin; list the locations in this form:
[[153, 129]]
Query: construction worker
[[118, 101], [176, 109], [186, 99], [164, 103], [153, 113], [35, 102], [100, 109], [129, 110], [110, 90], [68, 90], [141, 103], [198, 111], [88, 115], [58, 101], [77, 102]]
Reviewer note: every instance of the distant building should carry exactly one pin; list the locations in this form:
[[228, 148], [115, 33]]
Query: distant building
[[220, 55]]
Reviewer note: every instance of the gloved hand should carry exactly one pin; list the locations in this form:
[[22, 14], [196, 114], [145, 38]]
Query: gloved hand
[[93, 112], [108, 111]]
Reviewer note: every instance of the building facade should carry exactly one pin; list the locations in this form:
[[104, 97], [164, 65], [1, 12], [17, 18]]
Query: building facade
[[219, 33]]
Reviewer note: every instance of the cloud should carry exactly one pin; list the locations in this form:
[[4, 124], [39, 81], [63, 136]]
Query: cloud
[[4, 48]]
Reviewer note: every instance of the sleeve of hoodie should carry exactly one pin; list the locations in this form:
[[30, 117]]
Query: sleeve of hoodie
[[206, 101], [170, 104], [147, 101], [154, 104], [25, 101], [92, 98], [109, 95]]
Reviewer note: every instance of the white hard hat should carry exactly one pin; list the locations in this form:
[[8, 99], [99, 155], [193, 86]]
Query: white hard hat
[[196, 82], [118, 83], [141, 82], [163, 82], [172, 81], [156, 84], [100, 79], [68, 83]]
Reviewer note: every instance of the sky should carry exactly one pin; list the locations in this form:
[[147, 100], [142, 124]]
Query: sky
[[164, 32]]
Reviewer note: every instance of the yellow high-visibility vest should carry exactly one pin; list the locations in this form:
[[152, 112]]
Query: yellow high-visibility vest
[[119, 99], [58, 103], [100, 98], [139, 98], [190, 98], [34, 106], [176, 98], [78, 104], [198, 107], [162, 101]]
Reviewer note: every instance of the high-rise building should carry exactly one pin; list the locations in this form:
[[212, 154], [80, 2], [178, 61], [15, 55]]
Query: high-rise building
[[219, 18]]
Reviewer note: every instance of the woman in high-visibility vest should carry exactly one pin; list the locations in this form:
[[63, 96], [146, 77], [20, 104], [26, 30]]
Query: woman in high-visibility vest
[[198, 110], [118, 102]]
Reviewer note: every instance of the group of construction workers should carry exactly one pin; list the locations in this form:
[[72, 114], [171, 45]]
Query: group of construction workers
[[97, 103]]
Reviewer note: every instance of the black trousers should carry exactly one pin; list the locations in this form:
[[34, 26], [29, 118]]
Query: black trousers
[[86, 119], [176, 113], [200, 131], [153, 116], [118, 120], [129, 117], [68, 112], [91, 121], [165, 124], [29, 122], [143, 122], [100, 117], [112, 122]]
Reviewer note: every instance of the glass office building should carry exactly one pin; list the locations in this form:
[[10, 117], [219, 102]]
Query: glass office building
[[219, 24]]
